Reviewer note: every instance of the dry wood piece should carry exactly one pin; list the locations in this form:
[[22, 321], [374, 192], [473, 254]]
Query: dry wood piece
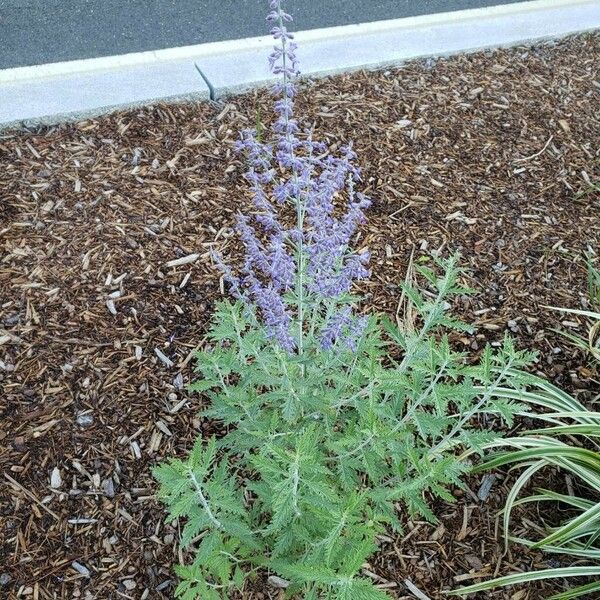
[[184, 260], [163, 358], [415, 591], [492, 154]]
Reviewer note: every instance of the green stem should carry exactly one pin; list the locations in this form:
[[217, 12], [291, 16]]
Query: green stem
[[204, 501], [460, 423]]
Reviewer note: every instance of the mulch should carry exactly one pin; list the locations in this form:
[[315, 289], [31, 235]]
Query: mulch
[[492, 154]]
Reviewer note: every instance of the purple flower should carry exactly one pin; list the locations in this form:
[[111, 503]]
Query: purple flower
[[289, 271], [276, 317], [282, 267], [343, 327]]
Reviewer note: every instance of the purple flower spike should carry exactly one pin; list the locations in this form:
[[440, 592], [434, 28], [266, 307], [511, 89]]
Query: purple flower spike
[[344, 328], [291, 273]]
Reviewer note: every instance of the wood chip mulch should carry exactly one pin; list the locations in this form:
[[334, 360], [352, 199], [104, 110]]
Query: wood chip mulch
[[493, 154]]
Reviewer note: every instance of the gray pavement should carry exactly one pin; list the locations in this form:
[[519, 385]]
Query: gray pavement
[[45, 31]]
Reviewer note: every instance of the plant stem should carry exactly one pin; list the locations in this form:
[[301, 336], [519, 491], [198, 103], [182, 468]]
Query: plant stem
[[460, 423], [204, 501], [299, 207]]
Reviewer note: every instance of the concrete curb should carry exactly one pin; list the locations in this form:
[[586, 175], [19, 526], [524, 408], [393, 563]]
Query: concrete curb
[[77, 89]]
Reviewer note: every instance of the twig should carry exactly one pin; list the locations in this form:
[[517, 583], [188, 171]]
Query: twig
[[537, 153], [31, 496], [415, 591]]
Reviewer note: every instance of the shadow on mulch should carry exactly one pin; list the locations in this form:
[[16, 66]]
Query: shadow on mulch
[[491, 154]]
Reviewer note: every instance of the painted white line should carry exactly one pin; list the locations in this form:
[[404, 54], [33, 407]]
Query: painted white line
[[52, 92]]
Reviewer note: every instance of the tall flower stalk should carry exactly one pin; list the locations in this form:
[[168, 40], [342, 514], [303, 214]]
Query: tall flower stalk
[[294, 275]]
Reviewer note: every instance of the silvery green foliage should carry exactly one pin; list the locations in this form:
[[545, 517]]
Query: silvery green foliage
[[323, 448], [334, 421]]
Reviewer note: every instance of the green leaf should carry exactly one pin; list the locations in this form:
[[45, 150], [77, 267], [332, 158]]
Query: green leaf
[[518, 578], [586, 589]]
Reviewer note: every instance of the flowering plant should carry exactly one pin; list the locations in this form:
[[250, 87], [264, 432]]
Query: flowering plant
[[327, 431]]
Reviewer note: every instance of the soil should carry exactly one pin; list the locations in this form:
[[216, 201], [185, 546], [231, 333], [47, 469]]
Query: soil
[[493, 154]]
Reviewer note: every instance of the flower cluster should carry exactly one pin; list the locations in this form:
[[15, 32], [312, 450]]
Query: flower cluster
[[291, 273]]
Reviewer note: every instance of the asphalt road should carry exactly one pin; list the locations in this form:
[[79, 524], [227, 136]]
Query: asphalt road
[[45, 31]]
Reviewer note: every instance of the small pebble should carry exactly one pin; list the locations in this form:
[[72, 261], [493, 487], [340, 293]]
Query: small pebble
[[486, 486], [161, 586], [111, 307], [85, 420], [19, 443], [12, 319], [55, 479], [81, 569], [512, 325], [108, 487], [4, 579], [137, 154]]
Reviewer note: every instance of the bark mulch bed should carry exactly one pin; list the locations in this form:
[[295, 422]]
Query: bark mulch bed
[[492, 154]]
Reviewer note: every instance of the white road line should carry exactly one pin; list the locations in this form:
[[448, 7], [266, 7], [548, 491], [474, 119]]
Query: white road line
[[73, 89]]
